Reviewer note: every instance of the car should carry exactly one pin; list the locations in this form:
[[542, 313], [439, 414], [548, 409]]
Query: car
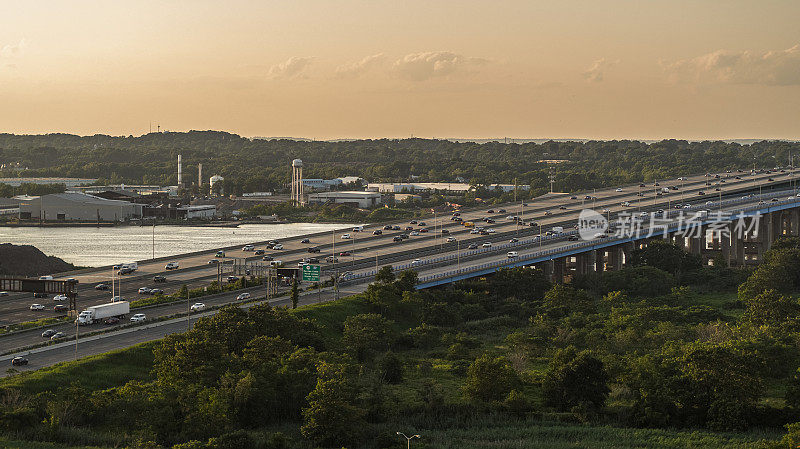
[[220, 254], [277, 247], [37, 307], [397, 238], [171, 266], [259, 252], [600, 235], [572, 238], [248, 248], [138, 318], [512, 254], [267, 258], [421, 223], [562, 207], [487, 244], [3, 293], [501, 211], [573, 197], [770, 179], [111, 320], [423, 230], [231, 279], [404, 236], [395, 228], [346, 237], [450, 239], [159, 278], [445, 231], [387, 228], [547, 212], [511, 217], [311, 260], [19, 361], [314, 249], [413, 233], [490, 211], [473, 246], [305, 241], [60, 308], [124, 271], [701, 193], [60, 298], [409, 228], [377, 232], [346, 275], [48, 333], [156, 291], [197, 307], [345, 254], [144, 290], [331, 259], [687, 206], [416, 262], [213, 261], [58, 335], [243, 296], [513, 240], [456, 214], [774, 200], [412, 222], [619, 189]]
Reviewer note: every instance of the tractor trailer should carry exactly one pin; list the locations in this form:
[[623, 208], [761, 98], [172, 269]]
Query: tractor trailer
[[100, 312]]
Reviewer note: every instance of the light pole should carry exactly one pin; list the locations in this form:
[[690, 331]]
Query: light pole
[[408, 438], [154, 238]]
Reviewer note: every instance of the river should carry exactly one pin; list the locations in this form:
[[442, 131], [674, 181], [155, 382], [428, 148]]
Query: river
[[95, 247]]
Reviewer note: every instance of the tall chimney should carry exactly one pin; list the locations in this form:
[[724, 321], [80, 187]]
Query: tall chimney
[[180, 172], [200, 175]]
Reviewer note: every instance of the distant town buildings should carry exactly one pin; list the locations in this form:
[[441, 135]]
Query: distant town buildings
[[69, 182], [387, 187], [363, 200]]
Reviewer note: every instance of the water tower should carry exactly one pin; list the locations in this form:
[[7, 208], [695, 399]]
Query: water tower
[[297, 183]]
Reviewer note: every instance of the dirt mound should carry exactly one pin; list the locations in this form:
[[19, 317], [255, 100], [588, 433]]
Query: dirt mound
[[27, 260]]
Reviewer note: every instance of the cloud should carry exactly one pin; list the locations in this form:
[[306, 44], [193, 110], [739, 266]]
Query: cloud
[[424, 66], [9, 51], [291, 68], [598, 68], [356, 69], [772, 68]]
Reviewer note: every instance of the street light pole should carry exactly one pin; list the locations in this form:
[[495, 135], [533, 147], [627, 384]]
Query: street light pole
[[408, 439]]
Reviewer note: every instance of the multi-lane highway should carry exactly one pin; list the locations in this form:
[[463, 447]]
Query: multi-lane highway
[[367, 250]]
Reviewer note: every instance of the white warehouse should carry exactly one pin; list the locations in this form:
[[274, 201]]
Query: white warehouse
[[72, 206], [363, 200]]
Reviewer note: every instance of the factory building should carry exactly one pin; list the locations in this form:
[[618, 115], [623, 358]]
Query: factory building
[[363, 200], [72, 206], [388, 187]]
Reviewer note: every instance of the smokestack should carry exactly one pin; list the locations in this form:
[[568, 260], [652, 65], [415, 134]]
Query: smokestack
[[180, 172], [200, 175]]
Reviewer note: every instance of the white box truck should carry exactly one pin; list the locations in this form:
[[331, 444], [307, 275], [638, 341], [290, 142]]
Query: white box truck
[[100, 312]]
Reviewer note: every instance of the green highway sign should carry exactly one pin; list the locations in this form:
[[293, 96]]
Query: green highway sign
[[311, 273]]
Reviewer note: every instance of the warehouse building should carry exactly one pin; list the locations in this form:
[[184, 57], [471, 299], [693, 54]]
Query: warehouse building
[[363, 200], [72, 206]]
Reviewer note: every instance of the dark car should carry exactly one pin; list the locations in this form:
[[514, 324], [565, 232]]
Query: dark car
[[102, 286], [112, 320], [305, 241], [40, 295], [267, 258], [156, 291], [159, 278], [395, 228], [421, 223], [423, 230], [48, 333], [313, 249], [344, 254], [409, 228], [19, 361], [125, 270], [377, 232], [60, 308], [701, 193], [387, 228], [413, 222], [490, 211], [445, 231], [473, 246], [397, 238], [232, 279], [311, 260], [259, 252], [501, 211], [404, 236]]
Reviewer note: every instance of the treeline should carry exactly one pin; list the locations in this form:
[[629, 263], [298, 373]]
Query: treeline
[[257, 165]]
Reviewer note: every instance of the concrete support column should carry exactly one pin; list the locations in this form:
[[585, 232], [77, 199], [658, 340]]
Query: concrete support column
[[581, 263], [627, 251], [547, 268], [559, 267], [794, 218], [600, 260]]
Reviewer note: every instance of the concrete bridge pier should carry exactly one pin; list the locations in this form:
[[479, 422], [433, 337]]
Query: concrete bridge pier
[[600, 260], [559, 269]]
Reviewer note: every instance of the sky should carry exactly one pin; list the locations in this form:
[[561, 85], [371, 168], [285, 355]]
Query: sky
[[597, 69]]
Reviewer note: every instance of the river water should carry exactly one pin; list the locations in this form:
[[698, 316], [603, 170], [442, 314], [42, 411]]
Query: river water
[[95, 247]]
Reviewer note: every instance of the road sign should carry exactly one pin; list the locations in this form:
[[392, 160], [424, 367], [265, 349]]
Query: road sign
[[311, 273]]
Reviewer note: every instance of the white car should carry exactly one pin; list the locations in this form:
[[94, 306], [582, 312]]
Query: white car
[[619, 189], [512, 254], [243, 296], [198, 306], [60, 298], [37, 307], [416, 262], [413, 233], [248, 248], [138, 318], [171, 266], [144, 290], [346, 237], [278, 246], [6, 293], [450, 239], [487, 244], [474, 231]]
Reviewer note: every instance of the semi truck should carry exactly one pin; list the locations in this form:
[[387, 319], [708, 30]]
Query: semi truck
[[93, 314]]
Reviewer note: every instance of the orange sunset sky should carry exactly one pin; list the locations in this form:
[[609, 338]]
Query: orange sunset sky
[[375, 68]]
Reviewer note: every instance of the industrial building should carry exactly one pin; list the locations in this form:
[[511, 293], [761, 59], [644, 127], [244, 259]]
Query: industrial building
[[363, 200], [408, 187], [72, 206], [327, 184]]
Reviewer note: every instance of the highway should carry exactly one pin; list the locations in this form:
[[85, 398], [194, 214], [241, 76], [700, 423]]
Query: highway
[[195, 270]]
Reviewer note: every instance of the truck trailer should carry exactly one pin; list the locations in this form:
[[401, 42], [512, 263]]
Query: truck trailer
[[100, 312]]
